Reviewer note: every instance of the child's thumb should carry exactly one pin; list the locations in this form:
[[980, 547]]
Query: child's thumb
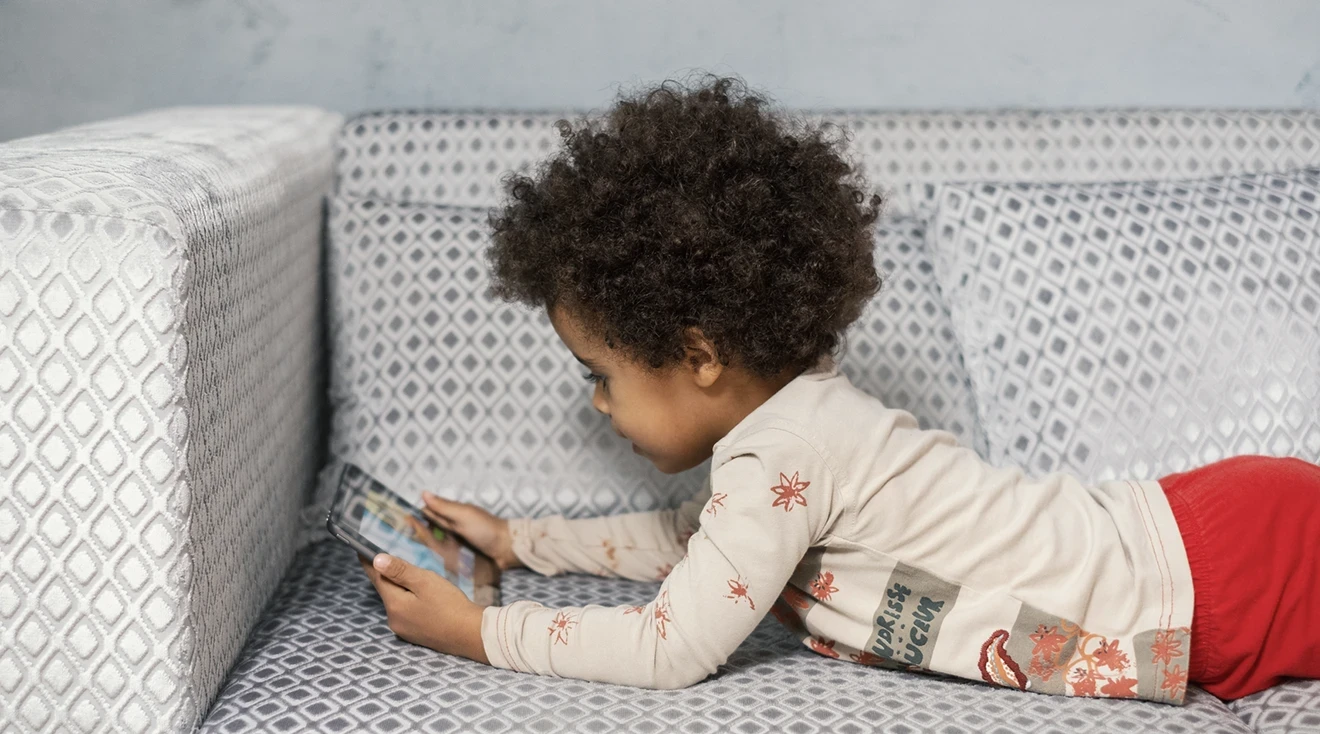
[[395, 569]]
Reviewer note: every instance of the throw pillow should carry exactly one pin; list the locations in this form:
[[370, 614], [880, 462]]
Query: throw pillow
[[1137, 329]]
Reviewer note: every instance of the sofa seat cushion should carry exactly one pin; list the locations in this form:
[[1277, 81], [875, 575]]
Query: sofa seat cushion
[[323, 660], [1288, 708]]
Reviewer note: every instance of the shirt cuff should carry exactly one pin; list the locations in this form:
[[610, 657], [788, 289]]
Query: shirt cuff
[[497, 625]]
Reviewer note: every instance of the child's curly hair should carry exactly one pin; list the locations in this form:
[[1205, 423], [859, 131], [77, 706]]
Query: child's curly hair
[[693, 208]]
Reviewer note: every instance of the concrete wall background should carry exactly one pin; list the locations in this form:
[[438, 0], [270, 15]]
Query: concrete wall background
[[64, 62]]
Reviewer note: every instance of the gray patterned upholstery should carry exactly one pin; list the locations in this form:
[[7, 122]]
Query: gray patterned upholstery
[[160, 399], [323, 660], [1125, 329], [160, 357], [1288, 708], [413, 188], [457, 157], [437, 387]]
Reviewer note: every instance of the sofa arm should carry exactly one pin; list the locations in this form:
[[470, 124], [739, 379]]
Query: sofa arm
[[161, 403]]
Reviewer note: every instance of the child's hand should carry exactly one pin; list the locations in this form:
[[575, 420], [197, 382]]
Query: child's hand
[[486, 532], [425, 609]]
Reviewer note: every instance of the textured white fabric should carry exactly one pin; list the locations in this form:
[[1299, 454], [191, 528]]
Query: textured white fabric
[[457, 157], [435, 385], [323, 660], [159, 402], [1138, 329]]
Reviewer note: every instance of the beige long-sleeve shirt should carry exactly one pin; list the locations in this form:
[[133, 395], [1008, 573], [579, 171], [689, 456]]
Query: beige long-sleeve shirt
[[877, 543]]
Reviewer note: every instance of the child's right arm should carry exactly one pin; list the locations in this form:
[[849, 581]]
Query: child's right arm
[[636, 545]]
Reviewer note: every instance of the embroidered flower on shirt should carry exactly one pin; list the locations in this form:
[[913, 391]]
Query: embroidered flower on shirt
[[823, 646], [1083, 681], [662, 572], [1175, 682], [790, 492], [716, 502], [560, 626], [610, 552], [634, 610], [738, 590], [661, 615], [1110, 656], [823, 586], [1166, 647], [1048, 641], [1120, 688]]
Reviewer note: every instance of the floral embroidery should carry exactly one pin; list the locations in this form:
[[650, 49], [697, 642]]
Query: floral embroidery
[[1048, 641], [662, 572], [716, 502], [1111, 657], [684, 536], [610, 551], [823, 646], [634, 610], [1175, 682], [823, 586], [1094, 665], [1166, 647], [866, 657], [661, 615], [560, 626], [1084, 681], [738, 590], [789, 491], [1120, 688]]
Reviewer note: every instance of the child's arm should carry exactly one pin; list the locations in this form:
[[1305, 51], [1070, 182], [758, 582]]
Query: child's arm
[[767, 508], [637, 545]]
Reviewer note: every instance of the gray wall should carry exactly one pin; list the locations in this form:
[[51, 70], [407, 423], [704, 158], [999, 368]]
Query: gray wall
[[69, 61]]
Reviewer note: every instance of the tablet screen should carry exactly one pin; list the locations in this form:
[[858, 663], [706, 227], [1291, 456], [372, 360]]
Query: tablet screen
[[366, 513]]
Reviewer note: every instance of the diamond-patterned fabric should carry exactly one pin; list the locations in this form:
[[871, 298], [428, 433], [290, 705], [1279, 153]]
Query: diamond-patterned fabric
[[903, 349], [323, 660], [457, 157], [159, 402], [1137, 329], [436, 386], [1288, 708]]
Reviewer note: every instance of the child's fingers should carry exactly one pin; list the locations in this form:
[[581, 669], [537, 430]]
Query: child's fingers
[[435, 517], [371, 571]]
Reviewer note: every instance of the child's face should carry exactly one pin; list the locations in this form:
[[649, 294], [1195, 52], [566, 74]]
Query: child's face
[[672, 419]]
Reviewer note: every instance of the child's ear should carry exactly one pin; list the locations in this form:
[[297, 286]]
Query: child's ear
[[702, 357]]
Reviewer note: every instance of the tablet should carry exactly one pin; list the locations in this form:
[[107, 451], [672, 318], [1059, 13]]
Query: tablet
[[372, 519]]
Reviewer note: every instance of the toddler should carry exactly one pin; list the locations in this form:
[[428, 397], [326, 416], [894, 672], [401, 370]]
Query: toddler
[[702, 260]]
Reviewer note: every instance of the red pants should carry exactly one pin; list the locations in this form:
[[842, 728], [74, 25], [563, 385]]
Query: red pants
[[1251, 525]]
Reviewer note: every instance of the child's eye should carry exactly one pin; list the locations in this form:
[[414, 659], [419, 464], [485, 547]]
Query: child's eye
[[593, 377]]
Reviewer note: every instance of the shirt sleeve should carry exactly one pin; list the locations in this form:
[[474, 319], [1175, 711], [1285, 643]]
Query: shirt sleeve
[[644, 546], [769, 503]]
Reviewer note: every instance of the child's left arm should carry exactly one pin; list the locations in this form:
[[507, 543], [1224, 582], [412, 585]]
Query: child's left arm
[[767, 507]]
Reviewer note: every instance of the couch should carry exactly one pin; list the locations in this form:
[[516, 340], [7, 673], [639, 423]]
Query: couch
[[205, 311]]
